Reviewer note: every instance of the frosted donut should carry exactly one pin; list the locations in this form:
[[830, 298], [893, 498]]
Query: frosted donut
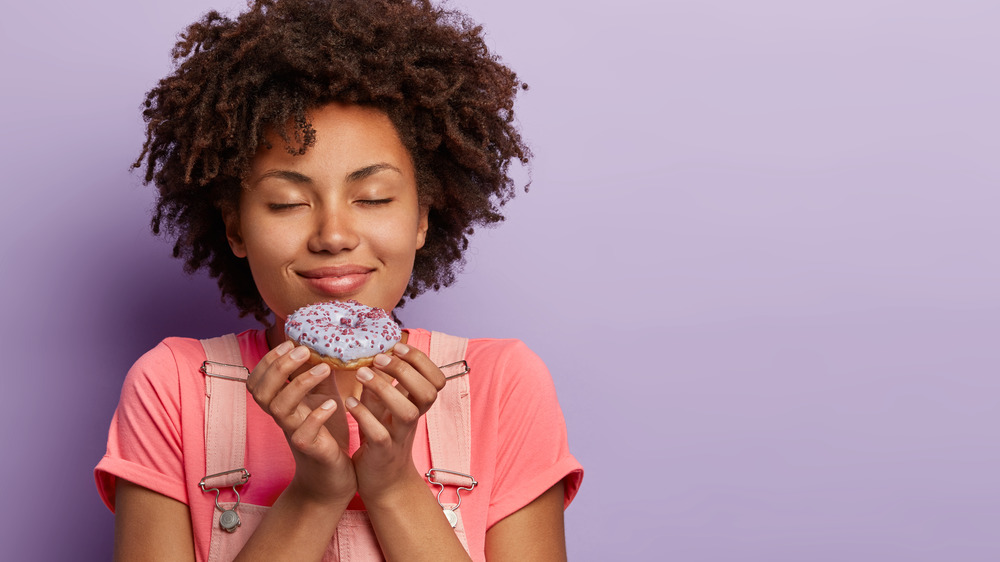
[[345, 334]]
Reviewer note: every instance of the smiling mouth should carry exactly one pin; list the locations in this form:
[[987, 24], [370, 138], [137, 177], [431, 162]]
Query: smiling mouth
[[337, 281]]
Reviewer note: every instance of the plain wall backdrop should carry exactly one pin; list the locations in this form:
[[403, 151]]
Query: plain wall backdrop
[[759, 255]]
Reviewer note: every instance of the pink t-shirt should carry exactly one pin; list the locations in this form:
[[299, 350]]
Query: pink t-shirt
[[157, 435]]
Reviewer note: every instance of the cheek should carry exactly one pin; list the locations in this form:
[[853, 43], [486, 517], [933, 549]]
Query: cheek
[[266, 273], [400, 240], [273, 240], [268, 252]]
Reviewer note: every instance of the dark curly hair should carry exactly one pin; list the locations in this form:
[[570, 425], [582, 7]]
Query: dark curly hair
[[235, 80]]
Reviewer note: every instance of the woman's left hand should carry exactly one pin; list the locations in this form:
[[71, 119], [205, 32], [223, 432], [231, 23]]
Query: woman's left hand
[[387, 417]]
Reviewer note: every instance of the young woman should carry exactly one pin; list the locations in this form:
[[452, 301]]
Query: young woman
[[309, 151]]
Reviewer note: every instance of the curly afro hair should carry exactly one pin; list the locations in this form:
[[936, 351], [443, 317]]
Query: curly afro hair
[[235, 80]]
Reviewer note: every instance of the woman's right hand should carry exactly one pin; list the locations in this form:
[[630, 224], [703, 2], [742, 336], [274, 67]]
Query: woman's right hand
[[306, 414]]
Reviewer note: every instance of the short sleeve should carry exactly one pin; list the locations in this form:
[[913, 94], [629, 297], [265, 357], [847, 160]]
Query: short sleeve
[[532, 445], [145, 440]]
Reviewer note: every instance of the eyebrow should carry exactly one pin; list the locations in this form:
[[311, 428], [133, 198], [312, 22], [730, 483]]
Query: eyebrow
[[356, 175], [286, 175]]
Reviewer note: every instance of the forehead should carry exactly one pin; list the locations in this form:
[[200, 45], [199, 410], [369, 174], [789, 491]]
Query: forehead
[[339, 136]]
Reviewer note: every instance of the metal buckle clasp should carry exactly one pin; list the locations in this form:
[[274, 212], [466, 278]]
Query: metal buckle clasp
[[212, 373], [229, 520], [462, 363]]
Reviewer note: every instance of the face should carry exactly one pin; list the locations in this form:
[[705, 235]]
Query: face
[[340, 222]]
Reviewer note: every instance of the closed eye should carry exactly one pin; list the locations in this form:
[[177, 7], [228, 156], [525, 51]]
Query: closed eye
[[374, 202], [282, 206]]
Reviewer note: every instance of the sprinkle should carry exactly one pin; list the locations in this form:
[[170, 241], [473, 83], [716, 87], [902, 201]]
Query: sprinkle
[[359, 330]]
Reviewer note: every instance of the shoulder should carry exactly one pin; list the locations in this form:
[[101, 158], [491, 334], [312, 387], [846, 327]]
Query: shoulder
[[169, 352], [497, 355], [160, 367], [508, 362], [175, 359], [488, 348], [177, 349], [501, 369], [508, 352]]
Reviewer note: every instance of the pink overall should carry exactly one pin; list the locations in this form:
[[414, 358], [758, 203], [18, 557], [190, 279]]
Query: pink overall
[[448, 432]]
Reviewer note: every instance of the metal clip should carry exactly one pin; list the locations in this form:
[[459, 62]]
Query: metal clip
[[229, 520], [449, 512], [204, 369], [463, 363]]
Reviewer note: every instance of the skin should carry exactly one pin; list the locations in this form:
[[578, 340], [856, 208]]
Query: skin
[[348, 205]]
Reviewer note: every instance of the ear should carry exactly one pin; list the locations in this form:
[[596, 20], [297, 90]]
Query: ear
[[421, 227], [233, 233]]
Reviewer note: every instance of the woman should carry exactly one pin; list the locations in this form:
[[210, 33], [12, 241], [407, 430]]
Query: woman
[[313, 151]]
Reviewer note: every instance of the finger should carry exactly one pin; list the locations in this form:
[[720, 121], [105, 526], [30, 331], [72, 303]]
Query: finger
[[404, 412], [287, 407], [266, 361], [419, 361], [420, 390], [276, 374], [381, 361], [374, 403], [373, 432], [311, 436]]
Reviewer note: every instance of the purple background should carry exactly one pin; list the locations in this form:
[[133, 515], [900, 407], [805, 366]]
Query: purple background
[[792, 207]]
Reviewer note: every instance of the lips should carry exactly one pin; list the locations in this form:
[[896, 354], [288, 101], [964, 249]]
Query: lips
[[337, 281]]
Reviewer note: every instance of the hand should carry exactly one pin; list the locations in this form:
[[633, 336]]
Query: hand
[[323, 470], [387, 417]]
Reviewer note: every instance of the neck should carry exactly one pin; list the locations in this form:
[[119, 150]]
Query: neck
[[275, 333]]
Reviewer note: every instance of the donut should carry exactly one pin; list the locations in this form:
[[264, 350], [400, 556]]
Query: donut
[[344, 334]]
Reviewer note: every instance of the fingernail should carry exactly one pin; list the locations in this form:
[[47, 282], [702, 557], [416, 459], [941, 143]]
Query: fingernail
[[300, 353], [401, 349], [365, 374], [284, 347], [319, 370], [328, 405], [351, 402], [381, 360]]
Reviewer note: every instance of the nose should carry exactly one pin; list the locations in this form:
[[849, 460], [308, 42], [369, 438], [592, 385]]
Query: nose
[[334, 231]]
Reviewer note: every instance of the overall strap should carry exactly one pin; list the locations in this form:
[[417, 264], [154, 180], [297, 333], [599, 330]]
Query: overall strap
[[449, 428], [225, 410]]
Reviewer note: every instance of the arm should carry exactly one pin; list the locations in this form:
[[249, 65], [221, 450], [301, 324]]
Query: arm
[[150, 526], [302, 521], [534, 532], [404, 512], [410, 525], [536, 474], [297, 527]]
